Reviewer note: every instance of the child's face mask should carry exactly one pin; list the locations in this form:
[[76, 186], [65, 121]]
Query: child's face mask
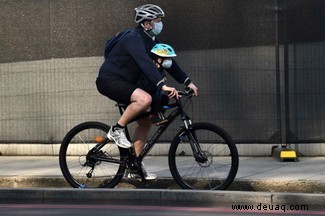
[[167, 63]]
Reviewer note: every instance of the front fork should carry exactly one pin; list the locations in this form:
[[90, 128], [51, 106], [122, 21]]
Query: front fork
[[199, 155]]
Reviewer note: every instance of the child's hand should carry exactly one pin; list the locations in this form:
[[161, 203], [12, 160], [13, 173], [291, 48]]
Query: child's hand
[[172, 92]]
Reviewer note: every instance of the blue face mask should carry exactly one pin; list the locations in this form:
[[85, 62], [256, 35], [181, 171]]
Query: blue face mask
[[167, 63], [158, 28]]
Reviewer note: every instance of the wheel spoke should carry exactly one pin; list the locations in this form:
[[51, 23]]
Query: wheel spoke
[[81, 170], [214, 170]]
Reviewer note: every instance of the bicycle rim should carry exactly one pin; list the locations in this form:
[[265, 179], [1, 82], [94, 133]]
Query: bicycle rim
[[219, 167], [81, 171]]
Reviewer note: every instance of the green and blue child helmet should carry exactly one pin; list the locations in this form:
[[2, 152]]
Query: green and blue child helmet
[[164, 53], [163, 50]]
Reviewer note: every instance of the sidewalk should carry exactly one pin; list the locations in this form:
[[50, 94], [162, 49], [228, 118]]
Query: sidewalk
[[254, 174], [260, 180]]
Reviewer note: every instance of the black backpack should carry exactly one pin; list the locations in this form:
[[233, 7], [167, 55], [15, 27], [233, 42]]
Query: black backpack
[[113, 41]]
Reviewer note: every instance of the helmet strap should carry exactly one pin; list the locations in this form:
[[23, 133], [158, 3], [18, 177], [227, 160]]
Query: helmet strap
[[148, 31]]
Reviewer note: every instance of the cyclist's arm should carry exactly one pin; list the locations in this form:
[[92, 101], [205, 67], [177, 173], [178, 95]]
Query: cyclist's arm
[[135, 47], [178, 74]]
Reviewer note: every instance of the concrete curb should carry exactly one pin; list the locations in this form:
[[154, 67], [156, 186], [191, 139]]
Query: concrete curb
[[296, 186], [149, 196]]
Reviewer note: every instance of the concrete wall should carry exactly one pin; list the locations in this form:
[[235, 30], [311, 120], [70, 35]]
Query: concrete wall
[[42, 99], [51, 52], [44, 29]]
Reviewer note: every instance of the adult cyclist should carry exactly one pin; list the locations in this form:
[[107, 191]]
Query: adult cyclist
[[130, 59]]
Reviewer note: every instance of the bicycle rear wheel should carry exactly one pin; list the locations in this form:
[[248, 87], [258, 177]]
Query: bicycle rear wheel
[[81, 167], [217, 169]]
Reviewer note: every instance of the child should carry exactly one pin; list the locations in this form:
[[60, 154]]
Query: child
[[162, 55]]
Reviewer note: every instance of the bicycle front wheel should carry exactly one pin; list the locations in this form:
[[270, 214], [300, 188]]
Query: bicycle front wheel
[[84, 168], [217, 166]]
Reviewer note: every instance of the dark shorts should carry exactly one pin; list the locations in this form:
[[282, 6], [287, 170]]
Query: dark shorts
[[120, 90], [116, 89]]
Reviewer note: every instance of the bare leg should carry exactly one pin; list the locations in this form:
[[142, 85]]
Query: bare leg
[[140, 101], [140, 138], [141, 134]]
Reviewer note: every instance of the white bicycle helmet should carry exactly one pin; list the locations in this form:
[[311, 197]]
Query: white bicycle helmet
[[148, 12]]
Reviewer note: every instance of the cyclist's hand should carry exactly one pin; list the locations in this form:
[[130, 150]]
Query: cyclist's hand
[[194, 88], [172, 92]]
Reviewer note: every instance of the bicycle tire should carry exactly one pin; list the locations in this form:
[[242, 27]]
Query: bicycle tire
[[220, 169], [75, 165]]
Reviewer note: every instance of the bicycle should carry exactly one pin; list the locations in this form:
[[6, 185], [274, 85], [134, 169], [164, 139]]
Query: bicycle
[[201, 155]]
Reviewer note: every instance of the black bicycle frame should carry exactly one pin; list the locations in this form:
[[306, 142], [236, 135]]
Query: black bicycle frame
[[151, 142], [92, 153]]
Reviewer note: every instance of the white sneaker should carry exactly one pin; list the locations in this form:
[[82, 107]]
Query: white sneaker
[[118, 136], [147, 175]]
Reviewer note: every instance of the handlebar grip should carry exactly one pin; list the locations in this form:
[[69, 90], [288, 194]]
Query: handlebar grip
[[189, 91]]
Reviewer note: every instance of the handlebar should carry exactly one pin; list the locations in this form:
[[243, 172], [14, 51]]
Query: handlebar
[[188, 92]]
